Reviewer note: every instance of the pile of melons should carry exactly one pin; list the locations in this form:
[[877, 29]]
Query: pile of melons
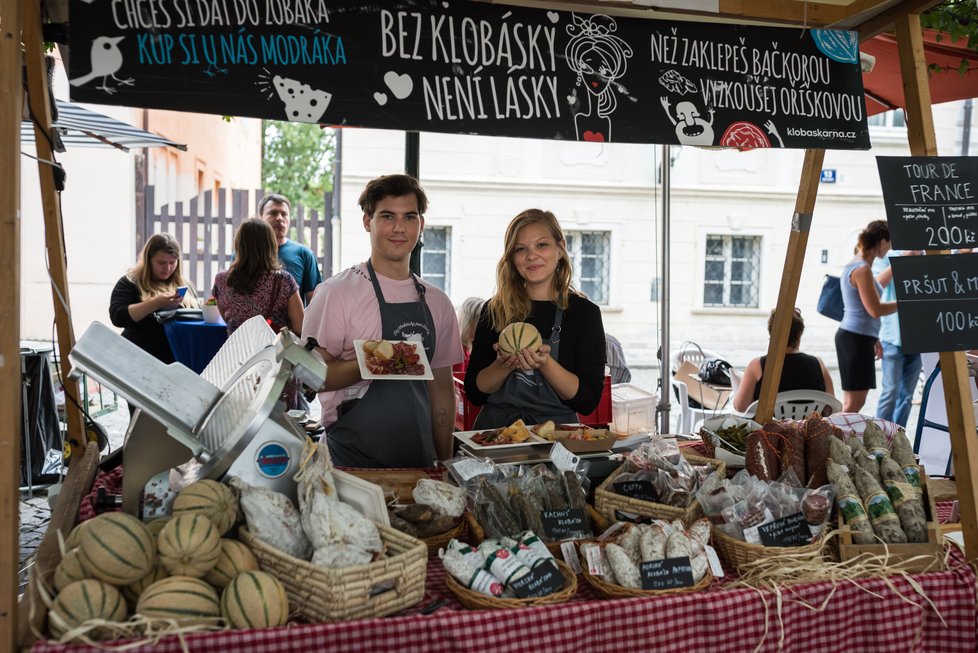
[[175, 570]]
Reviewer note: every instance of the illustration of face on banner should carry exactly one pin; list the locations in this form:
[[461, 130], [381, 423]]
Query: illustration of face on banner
[[463, 67]]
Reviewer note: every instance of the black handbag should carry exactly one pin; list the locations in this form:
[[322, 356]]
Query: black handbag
[[715, 371], [830, 302]]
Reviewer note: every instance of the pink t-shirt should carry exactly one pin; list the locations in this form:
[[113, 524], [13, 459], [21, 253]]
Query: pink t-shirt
[[345, 309]]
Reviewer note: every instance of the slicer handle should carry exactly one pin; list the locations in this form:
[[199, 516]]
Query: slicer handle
[[311, 343]]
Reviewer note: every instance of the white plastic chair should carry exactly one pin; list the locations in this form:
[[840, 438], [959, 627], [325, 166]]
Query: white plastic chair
[[692, 353], [795, 404], [690, 418]]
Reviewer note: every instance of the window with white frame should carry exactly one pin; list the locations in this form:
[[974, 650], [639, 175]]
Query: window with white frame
[[895, 119], [731, 271], [436, 256], [590, 253]]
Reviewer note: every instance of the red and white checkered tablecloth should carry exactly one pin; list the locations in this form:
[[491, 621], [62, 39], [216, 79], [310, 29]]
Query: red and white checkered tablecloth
[[874, 618]]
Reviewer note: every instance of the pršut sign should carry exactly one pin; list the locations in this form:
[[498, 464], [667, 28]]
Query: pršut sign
[[474, 68]]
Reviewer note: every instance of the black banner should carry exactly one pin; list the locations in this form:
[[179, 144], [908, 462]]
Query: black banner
[[931, 202], [938, 301], [474, 68]]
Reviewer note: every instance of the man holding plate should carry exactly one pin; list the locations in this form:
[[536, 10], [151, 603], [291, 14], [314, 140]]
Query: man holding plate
[[394, 420]]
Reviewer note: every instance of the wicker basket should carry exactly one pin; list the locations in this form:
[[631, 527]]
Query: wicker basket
[[735, 553], [608, 502], [598, 525], [379, 588], [436, 542], [475, 601], [615, 591]]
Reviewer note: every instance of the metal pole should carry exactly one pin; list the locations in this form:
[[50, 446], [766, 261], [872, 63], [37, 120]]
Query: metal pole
[[412, 166], [665, 374]]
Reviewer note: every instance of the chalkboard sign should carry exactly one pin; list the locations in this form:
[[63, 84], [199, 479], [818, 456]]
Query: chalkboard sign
[[643, 490], [931, 202], [667, 574], [543, 580], [474, 68], [792, 530], [937, 297], [564, 523]]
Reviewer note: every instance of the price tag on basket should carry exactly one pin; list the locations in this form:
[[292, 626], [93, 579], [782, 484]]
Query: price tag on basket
[[543, 580], [564, 523], [643, 490], [667, 574], [788, 531]]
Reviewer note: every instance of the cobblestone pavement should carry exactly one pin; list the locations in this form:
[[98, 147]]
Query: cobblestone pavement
[[35, 512]]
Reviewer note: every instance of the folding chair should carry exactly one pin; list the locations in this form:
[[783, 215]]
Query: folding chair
[[932, 442]]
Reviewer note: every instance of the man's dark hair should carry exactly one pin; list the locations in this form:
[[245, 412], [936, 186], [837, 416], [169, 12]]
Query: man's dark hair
[[272, 197], [391, 186]]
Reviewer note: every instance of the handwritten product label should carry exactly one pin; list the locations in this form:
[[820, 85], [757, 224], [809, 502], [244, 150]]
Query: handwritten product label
[[788, 531], [543, 580], [569, 550], [938, 300], [667, 574], [595, 564], [568, 522], [931, 202], [643, 490], [476, 68]]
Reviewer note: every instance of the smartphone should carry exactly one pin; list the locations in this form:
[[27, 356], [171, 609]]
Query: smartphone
[[182, 290]]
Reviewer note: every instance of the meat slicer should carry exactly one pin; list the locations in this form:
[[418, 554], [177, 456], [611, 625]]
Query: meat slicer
[[226, 421]]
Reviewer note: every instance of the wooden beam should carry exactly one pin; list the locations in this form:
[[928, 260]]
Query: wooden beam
[[11, 425], [37, 95], [882, 22], [954, 369], [794, 261]]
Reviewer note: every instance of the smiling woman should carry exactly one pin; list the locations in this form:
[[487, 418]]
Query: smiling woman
[[560, 372]]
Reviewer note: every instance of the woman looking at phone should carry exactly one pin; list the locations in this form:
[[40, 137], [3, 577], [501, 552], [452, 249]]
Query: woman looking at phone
[[155, 283]]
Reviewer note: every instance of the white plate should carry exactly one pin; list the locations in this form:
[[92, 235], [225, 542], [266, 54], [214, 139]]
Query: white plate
[[367, 375], [466, 438]]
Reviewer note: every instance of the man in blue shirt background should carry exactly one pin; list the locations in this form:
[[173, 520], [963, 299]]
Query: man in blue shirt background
[[900, 371], [299, 260]]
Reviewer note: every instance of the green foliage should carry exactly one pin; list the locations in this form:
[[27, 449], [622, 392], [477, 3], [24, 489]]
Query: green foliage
[[297, 161], [959, 19]]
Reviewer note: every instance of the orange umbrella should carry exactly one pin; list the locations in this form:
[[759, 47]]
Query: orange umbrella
[[884, 85]]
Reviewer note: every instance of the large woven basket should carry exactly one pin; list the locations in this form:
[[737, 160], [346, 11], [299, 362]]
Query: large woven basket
[[380, 588], [476, 601], [615, 591], [735, 553], [436, 542], [608, 502]]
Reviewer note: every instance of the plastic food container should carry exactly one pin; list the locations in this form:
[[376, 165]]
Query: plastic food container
[[632, 409]]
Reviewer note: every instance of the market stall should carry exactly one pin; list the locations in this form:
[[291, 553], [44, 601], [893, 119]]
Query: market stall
[[923, 611]]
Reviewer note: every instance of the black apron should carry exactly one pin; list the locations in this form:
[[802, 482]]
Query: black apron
[[390, 426], [526, 395]]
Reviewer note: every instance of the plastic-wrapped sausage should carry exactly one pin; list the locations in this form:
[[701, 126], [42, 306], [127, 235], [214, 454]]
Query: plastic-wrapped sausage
[[881, 512], [850, 505]]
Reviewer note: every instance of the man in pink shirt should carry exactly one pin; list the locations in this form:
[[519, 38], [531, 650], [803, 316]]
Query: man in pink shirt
[[397, 422]]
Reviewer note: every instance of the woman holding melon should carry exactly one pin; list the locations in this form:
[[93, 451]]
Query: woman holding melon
[[539, 347]]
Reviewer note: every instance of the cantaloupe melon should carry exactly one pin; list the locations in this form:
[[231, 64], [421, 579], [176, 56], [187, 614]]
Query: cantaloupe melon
[[81, 601], [235, 558], [135, 589], [254, 599], [69, 570], [518, 336], [189, 545], [211, 499], [117, 548], [74, 537], [190, 601], [156, 526]]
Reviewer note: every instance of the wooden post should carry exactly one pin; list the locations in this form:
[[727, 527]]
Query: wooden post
[[794, 261], [11, 107], [37, 95], [957, 391]]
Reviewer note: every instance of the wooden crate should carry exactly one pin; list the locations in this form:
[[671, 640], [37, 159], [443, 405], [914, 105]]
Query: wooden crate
[[917, 557]]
